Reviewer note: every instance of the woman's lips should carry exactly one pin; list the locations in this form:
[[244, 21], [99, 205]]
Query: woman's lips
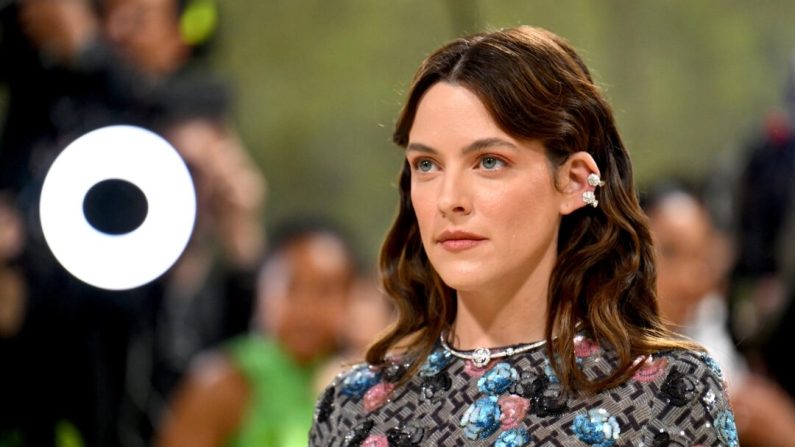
[[459, 240], [460, 244]]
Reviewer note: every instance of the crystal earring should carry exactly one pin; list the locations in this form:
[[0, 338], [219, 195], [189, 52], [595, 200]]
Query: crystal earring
[[590, 198], [594, 180]]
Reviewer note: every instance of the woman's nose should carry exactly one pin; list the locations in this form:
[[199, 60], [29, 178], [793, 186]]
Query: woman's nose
[[454, 196]]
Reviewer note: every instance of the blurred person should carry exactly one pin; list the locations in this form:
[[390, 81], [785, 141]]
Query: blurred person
[[61, 360], [693, 261], [367, 314], [762, 295], [46, 49], [12, 281], [766, 215], [147, 33], [523, 272], [257, 390], [80, 65], [66, 79], [83, 64], [779, 366], [207, 296]]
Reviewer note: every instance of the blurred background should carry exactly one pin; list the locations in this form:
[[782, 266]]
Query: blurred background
[[283, 111], [320, 84]]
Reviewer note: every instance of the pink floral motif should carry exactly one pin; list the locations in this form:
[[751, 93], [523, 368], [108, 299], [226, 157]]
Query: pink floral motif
[[375, 441], [651, 369], [476, 372], [585, 347], [513, 409], [377, 395]]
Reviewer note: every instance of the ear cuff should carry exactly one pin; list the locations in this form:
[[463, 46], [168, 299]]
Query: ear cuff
[[589, 197]]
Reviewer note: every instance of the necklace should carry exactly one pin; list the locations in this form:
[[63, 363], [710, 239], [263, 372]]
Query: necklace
[[482, 356]]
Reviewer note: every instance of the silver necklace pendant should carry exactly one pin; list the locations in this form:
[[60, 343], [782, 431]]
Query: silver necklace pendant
[[481, 357]]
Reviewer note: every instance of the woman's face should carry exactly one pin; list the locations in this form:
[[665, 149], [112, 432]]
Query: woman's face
[[487, 205]]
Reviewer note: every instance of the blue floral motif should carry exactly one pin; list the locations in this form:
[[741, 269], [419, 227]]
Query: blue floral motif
[[516, 437], [550, 372], [727, 431], [482, 418], [435, 363], [498, 379], [359, 380], [713, 365], [598, 428]]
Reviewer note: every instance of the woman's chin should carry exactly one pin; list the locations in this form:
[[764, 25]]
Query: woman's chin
[[464, 281]]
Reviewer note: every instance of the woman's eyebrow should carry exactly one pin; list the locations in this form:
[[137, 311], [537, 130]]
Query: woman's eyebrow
[[487, 143], [419, 147], [475, 146]]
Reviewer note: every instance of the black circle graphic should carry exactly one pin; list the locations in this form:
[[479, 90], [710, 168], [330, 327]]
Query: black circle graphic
[[115, 206]]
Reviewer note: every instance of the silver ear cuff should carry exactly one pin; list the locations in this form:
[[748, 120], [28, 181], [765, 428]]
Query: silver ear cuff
[[589, 197]]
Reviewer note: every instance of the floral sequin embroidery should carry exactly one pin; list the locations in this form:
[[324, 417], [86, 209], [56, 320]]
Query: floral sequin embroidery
[[727, 430], [435, 386], [358, 381], [546, 398], [651, 369], [598, 428], [477, 371], [513, 409], [405, 436], [585, 347], [482, 418], [663, 439], [550, 372], [377, 395], [517, 437], [394, 370], [375, 441], [709, 399], [712, 364], [678, 388], [435, 363], [498, 379]]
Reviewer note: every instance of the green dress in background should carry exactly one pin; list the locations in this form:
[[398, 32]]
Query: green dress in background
[[282, 401]]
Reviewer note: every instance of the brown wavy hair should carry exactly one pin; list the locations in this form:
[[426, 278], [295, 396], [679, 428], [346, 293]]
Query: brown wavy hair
[[535, 86]]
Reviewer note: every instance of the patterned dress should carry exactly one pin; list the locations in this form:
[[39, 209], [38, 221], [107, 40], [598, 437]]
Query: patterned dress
[[675, 399]]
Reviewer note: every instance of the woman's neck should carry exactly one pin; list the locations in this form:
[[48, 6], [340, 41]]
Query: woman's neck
[[502, 313]]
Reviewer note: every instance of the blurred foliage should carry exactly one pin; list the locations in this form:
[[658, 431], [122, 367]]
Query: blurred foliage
[[320, 83]]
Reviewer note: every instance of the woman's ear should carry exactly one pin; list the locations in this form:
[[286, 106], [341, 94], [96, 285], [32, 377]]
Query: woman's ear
[[573, 182]]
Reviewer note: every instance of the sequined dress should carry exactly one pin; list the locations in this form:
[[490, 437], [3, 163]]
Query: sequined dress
[[676, 398]]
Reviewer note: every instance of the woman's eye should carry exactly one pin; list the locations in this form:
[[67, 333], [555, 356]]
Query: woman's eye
[[425, 165], [491, 163]]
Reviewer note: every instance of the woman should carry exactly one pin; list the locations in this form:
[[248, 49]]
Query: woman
[[522, 269]]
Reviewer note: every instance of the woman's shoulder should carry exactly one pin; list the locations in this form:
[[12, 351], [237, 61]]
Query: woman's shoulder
[[682, 366], [599, 361], [672, 397], [680, 395], [359, 389], [359, 378]]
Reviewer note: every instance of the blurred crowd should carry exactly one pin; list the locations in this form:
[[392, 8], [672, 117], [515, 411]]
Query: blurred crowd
[[185, 359], [235, 342]]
